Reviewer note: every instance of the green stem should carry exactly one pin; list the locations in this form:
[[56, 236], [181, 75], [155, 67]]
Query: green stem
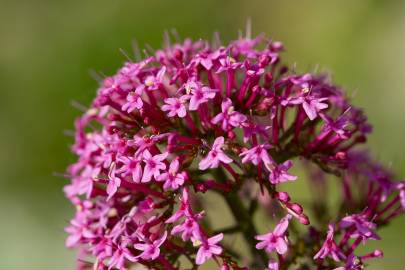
[[248, 229]]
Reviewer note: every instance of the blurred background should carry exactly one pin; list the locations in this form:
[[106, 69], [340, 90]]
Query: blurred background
[[47, 49]]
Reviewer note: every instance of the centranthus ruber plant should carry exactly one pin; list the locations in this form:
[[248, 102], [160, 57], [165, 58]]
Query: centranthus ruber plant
[[196, 118]]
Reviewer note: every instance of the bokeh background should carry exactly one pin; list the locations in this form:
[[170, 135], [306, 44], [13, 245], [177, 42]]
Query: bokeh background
[[47, 49]]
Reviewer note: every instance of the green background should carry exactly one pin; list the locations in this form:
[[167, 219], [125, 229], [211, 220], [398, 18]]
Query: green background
[[47, 49]]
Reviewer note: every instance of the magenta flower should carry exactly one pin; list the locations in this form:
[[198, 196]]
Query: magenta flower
[[279, 173], [209, 248], [257, 154], [153, 165], [311, 105], [173, 179], [352, 263], [189, 228], [175, 106], [330, 248], [215, 156], [198, 95], [152, 82], [276, 240], [228, 63], [131, 166], [151, 250], [362, 227], [184, 209], [250, 130], [78, 229], [134, 100], [113, 183], [121, 255], [141, 182], [228, 118]]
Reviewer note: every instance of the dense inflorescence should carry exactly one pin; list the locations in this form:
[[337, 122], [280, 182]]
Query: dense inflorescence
[[199, 118]]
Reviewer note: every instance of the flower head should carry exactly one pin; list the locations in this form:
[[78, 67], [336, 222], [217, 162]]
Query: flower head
[[194, 119]]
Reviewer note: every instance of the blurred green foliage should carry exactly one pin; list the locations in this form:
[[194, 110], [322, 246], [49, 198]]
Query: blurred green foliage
[[48, 47]]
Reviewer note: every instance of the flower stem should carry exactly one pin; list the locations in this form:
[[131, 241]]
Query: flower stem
[[248, 229]]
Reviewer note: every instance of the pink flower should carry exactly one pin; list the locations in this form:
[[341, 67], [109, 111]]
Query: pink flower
[[135, 183], [187, 229], [363, 227], [229, 118], [131, 166], [134, 100], [175, 106], [173, 179], [257, 154], [77, 230], [330, 248], [228, 63], [208, 248], [153, 165], [311, 105], [279, 174], [250, 129], [352, 263], [198, 95], [153, 82], [121, 254], [151, 250], [184, 209], [275, 240], [215, 156], [113, 183]]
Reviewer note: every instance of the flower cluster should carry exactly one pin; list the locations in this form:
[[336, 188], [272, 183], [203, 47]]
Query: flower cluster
[[196, 118]]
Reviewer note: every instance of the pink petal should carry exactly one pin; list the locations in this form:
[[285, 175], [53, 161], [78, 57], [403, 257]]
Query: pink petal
[[281, 246]]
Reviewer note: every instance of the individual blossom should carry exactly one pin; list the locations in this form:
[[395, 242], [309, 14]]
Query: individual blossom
[[187, 229], [152, 82], [208, 248], [153, 165], [121, 255], [279, 173], [133, 100], [228, 118], [275, 240], [198, 94], [257, 154], [175, 106], [184, 208], [215, 156], [330, 248], [151, 250], [352, 263], [172, 179], [362, 226], [114, 182], [250, 129], [312, 105], [131, 166]]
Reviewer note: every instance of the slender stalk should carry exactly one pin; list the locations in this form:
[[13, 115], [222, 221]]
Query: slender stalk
[[248, 229]]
